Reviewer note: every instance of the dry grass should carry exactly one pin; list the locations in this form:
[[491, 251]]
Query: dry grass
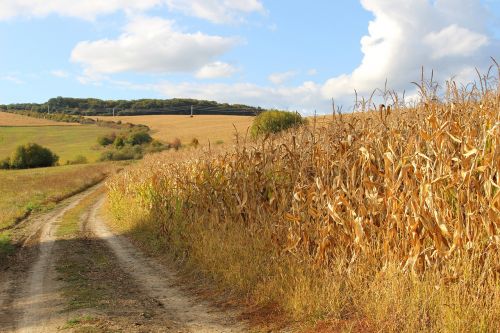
[[24, 191], [166, 128], [375, 222], [10, 119]]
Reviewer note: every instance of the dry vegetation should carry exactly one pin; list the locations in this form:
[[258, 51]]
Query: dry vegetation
[[10, 119], [217, 129], [375, 222], [24, 191]]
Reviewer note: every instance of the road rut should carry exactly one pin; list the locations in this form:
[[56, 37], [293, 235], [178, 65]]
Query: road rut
[[158, 282]]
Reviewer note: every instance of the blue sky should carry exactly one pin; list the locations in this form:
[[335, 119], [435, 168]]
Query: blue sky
[[294, 54]]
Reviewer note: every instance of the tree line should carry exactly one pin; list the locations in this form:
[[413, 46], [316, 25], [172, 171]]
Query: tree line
[[93, 107]]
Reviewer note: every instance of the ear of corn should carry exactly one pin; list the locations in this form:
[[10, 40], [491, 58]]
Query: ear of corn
[[415, 190]]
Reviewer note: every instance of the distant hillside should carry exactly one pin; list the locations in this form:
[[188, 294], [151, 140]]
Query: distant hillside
[[97, 107]]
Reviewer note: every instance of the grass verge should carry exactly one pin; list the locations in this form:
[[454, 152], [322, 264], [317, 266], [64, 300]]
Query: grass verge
[[6, 246], [25, 191]]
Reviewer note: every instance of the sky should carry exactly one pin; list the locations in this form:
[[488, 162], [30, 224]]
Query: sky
[[287, 54]]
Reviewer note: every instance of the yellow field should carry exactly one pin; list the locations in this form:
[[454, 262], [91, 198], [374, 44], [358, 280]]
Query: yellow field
[[23, 191], [9, 119], [204, 128], [373, 222]]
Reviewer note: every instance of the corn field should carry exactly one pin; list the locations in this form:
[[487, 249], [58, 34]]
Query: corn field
[[414, 189]]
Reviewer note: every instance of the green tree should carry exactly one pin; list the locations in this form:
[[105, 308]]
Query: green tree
[[5, 163], [138, 138], [106, 140], [32, 155], [275, 121]]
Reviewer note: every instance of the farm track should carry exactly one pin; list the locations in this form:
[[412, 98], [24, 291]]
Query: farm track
[[30, 298], [31, 291], [159, 283]]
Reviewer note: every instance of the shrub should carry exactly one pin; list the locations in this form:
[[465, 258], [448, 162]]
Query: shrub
[[106, 140], [275, 121], [32, 155], [5, 163], [119, 142], [195, 142], [176, 144], [157, 144], [138, 138], [126, 153], [78, 160]]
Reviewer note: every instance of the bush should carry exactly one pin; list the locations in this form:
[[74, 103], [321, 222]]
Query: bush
[[32, 155], [138, 138], [119, 142], [176, 144], [126, 153], [78, 160], [5, 163], [275, 121], [195, 142], [106, 140], [157, 144]]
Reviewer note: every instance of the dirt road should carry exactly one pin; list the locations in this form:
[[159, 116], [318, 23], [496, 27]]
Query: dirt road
[[96, 278], [30, 298]]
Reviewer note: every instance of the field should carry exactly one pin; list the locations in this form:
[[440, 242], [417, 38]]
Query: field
[[67, 142], [23, 191], [375, 222], [9, 119], [217, 129]]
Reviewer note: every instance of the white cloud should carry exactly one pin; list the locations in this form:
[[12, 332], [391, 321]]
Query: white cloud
[[449, 36], [60, 73], [454, 41], [303, 98], [151, 45], [86, 9], [216, 70], [217, 11], [280, 78]]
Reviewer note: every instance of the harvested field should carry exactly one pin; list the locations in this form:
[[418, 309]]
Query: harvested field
[[216, 129], [10, 119]]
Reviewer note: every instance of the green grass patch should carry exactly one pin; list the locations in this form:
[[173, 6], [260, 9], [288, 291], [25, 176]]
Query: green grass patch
[[68, 142], [82, 291], [86, 324], [71, 323], [6, 246]]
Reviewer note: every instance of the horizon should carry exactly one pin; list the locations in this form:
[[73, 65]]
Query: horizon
[[251, 53]]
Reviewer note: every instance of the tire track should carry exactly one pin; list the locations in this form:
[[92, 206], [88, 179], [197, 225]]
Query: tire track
[[158, 282], [31, 299]]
